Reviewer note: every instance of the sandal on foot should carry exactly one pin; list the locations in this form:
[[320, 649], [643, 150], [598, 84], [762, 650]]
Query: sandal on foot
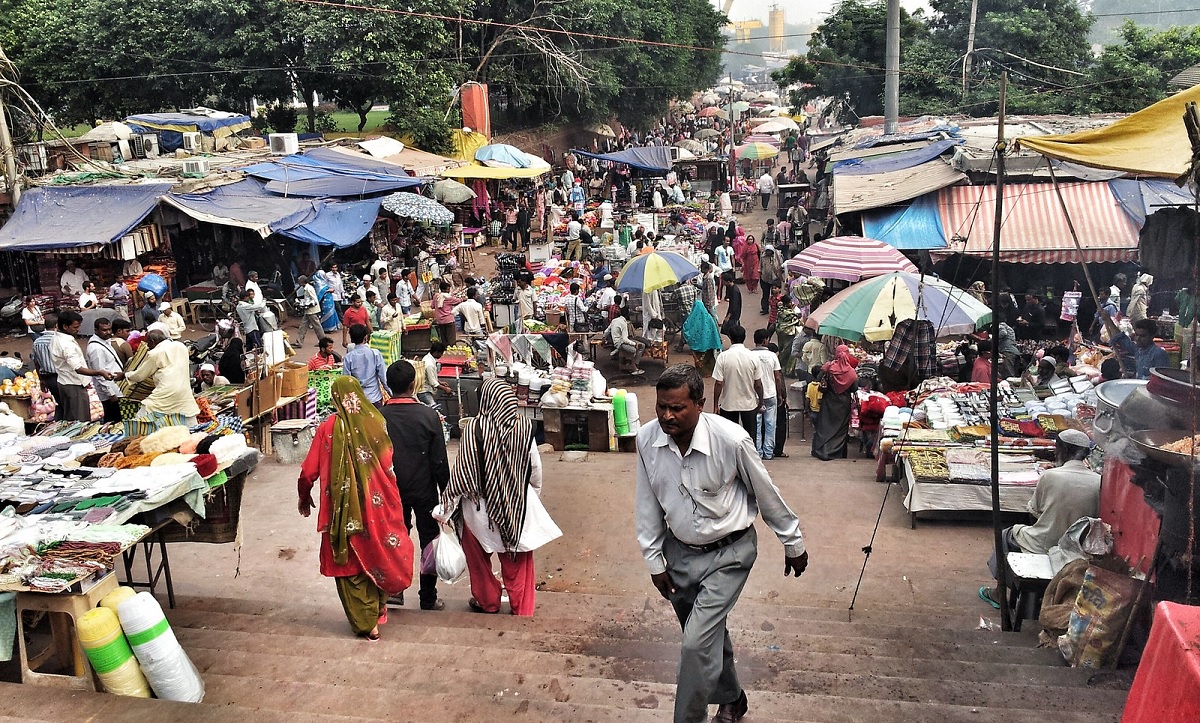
[[985, 594], [477, 608]]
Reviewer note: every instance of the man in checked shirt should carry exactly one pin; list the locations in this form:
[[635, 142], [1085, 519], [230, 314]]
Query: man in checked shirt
[[700, 485]]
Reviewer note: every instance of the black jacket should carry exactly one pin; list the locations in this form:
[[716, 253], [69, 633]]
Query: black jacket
[[418, 452]]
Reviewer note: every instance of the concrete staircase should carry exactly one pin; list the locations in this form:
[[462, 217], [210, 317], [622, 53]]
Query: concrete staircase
[[590, 658]]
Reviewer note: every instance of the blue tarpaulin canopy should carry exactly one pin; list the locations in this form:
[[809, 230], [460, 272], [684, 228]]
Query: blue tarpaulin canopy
[[170, 127], [912, 226], [326, 172], [894, 162], [1139, 199], [61, 217], [247, 204], [646, 158]]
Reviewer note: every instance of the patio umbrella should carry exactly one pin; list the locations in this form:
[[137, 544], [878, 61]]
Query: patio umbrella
[[418, 208], [603, 129], [709, 98], [849, 258], [655, 270], [768, 95], [694, 146], [871, 309], [713, 111], [756, 151], [704, 133], [740, 106], [777, 125], [762, 138], [448, 190]]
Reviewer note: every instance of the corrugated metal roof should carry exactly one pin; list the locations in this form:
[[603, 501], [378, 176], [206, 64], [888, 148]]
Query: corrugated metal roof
[[1187, 77], [858, 193], [1034, 230], [850, 153]]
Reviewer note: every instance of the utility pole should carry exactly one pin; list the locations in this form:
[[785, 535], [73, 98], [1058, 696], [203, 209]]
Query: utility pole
[[1006, 623], [891, 78], [8, 154], [970, 45], [732, 154]]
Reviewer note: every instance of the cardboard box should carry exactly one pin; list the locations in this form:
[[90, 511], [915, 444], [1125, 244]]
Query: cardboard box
[[243, 401], [266, 394], [295, 379]]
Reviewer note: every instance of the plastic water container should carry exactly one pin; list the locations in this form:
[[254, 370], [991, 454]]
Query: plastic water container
[[631, 408], [116, 597], [620, 417], [108, 651], [168, 669]]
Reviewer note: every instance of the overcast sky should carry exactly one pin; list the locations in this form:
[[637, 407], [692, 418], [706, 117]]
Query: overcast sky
[[812, 10]]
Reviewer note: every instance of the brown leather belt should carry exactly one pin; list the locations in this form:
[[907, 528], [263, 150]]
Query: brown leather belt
[[725, 541]]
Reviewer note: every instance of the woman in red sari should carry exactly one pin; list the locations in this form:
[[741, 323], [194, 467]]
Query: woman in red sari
[[751, 271], [365, 544]]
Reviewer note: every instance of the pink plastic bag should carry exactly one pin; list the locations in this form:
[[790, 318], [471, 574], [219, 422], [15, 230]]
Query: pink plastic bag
[[429, 559]]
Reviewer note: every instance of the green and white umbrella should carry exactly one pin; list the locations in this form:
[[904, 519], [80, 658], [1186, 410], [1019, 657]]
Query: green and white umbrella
[[871, 309]]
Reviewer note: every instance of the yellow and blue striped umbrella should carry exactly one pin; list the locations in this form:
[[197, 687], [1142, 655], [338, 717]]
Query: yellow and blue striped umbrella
[[655, 270]]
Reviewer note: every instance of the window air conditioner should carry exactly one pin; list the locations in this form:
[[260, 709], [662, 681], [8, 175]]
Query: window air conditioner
[[191, 141], [137, 144], [196, 165], [150, 143], [284, 144]]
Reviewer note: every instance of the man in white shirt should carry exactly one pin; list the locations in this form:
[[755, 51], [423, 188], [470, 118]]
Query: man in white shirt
[[337, 288], [404, 291], [606, 296], [766, 186], [88, 299], [738, 391], [574, 229], [102, 355], [526, 300], [625, 348], [167, 364], [378, 267], [700, 485], [252, 285], [391, 318], [475, 322], [310, 310], [173, 322], [433, 365], [72, 280], [72, 367], [773, 389]]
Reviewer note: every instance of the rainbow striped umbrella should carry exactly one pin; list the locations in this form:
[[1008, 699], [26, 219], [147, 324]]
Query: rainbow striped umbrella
[[871, 309], [756, 151], [849, 258], [655, 270]]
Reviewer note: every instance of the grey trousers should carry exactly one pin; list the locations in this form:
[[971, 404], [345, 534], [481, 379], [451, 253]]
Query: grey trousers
[[708, 585]]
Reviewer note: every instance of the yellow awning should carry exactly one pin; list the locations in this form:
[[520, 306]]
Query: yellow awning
[[480, 171], [1150, 142]]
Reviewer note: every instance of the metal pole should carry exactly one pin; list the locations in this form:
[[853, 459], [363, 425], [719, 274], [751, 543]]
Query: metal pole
[[891, 78], [993, 393], [970, 45], [732, 157]]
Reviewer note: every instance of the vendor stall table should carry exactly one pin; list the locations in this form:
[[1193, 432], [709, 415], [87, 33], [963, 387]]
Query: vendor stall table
[[957, 497], [65, 646]]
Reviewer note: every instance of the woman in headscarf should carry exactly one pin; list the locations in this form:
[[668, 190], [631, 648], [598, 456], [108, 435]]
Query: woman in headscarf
[[365, 544], [230, 364], [839, 379], [751, 271], [495, 485], [703, 338]]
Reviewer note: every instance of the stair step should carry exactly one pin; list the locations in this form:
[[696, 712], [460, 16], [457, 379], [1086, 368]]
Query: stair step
[[572, 635], [861, 677]]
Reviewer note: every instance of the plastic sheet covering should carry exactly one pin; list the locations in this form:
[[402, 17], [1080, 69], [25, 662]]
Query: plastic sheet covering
[[1150, 142], [323, 172], [1140, 199], [59, 217], [896, 161], [917, 225], [170, 672], [646, 158]]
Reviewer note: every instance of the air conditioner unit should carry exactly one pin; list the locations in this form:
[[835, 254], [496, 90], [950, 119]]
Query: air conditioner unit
[[137, 144], [674, 153], [191, 141], [150, 142], [284, 144], [32, 158], [195, 165]]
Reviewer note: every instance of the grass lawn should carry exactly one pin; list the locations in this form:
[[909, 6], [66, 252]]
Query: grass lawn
[[69, 131], [347, 121]]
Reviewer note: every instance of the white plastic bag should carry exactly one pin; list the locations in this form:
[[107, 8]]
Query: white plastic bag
[[451, 561]]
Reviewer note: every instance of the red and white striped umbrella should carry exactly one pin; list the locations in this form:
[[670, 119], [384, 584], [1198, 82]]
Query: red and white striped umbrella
[[849, 258], [761, 138]]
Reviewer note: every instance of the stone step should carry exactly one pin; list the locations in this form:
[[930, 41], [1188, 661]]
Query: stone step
[[31, 703], [653, 618], [489, 656]]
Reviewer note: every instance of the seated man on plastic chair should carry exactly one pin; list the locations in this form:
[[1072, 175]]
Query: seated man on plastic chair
[[1062, 496], [626, 349]]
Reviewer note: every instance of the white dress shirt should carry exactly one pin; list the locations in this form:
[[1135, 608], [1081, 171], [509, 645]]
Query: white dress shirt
[[737, 370], [474, 318], [716, 489], [68, 357], [101, 355]]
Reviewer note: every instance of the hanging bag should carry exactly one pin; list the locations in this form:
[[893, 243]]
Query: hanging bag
[[449, 558]]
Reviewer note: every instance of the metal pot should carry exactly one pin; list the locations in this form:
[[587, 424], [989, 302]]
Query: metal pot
[[1164, 402], [1109, 396]]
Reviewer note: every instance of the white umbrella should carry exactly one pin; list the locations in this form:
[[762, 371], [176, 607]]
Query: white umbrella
[[448, 190], [690, 145], [777, 125], [768, 95]]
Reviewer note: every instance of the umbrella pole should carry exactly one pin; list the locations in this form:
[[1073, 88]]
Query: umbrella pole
[[993, 392], [1075, 237]]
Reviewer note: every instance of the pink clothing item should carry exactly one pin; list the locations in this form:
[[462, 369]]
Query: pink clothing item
[[515, 567], [750, 265], [443, 308]]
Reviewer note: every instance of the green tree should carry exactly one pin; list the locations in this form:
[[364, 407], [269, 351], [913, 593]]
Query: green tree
[[1134, 74]]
